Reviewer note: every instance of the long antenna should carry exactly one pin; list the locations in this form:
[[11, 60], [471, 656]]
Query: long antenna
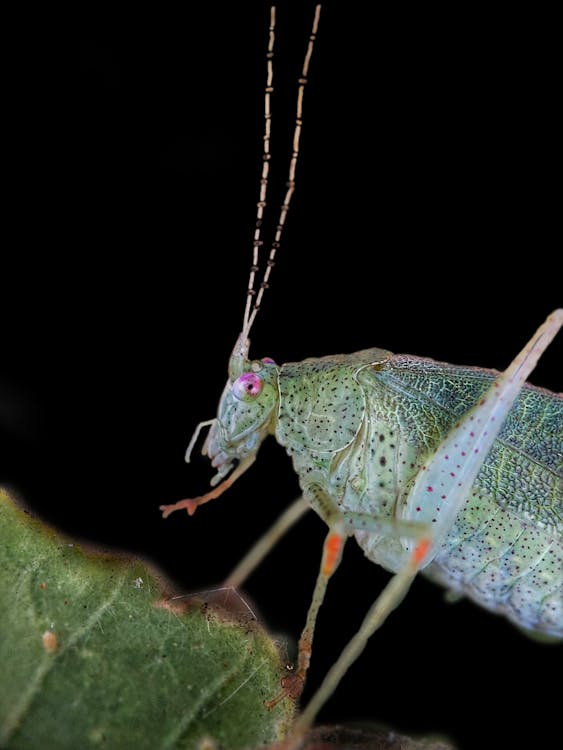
[[250, 315], [261, 205]]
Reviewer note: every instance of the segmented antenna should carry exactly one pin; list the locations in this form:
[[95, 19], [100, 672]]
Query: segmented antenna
[[261, 205], [252, 310]]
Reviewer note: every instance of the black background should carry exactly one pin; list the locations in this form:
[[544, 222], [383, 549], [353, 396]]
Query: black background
[[424, 221]]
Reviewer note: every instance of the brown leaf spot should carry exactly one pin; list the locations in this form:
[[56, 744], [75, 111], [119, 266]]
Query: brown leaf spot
[[50, 642]]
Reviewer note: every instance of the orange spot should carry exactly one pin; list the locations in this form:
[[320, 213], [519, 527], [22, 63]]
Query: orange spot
[[333, 547], [420, 552], [50, 642], [42, 585]]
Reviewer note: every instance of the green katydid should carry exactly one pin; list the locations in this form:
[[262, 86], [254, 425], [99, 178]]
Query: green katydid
[[455, 472]]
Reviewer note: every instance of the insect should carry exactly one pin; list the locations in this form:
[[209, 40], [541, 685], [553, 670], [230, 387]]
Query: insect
[[455, 472]]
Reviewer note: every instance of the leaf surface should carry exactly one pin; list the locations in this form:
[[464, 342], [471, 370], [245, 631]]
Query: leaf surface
[[95, 654]]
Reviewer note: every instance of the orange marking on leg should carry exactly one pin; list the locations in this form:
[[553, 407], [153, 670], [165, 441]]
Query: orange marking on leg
[[333, 548], [420, 552]]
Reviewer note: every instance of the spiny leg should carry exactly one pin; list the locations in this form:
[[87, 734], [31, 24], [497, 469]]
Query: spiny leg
[[474, 434], [262, 547]]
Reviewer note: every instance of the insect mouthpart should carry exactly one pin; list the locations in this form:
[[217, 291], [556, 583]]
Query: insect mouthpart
[[220, 459]]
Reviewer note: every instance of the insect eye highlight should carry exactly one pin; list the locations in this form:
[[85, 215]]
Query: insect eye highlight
[[247, 386]]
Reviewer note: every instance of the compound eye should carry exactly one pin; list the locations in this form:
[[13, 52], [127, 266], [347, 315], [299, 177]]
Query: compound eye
[[247, 386]]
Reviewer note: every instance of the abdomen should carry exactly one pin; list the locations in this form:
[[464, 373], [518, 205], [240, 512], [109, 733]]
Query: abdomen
[[505, 563], [505, 550]]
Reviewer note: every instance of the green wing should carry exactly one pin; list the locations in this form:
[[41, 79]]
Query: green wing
[[524, 470]]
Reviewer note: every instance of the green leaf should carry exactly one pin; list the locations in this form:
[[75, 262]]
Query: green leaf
[[94, 654]]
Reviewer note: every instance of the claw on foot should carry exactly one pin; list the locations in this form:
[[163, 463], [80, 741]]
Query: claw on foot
[[292, 687], [190, 504]]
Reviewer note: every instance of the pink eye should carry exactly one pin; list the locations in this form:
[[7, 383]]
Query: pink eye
[[247, 386], [268, 361]]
